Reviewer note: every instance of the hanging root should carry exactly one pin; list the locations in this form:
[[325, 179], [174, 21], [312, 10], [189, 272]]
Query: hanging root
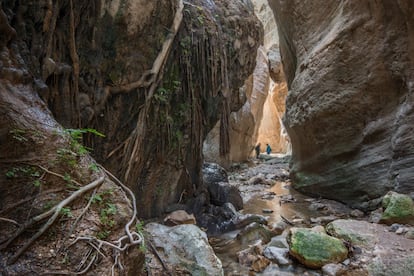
[[150, 77]]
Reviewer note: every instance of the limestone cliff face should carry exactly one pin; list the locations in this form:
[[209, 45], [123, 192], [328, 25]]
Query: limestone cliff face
[[271, 130], [349, 66], [244, 123]]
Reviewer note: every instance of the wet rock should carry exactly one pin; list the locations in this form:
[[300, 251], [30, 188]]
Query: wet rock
[[357, 213], [218, 219], [398, 208], [179, 217], [314, 249], [254, 232], [279, 242], [221, 192], [252, 257], [214, 173], [184, 249], [332, 269], [323, 220], [279, 227], [241, 221], [277, 255]]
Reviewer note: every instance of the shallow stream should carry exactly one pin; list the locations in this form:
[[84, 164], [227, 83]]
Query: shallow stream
[[284, 202]]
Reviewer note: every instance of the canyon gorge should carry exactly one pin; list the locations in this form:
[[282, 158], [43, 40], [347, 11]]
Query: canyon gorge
[[128, 128]]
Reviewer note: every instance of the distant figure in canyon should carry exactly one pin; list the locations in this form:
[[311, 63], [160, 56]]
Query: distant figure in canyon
[[257, 149], [268, 149]]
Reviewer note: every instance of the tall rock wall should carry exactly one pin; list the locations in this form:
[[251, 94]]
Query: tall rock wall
[[153, 76], [350, 108]]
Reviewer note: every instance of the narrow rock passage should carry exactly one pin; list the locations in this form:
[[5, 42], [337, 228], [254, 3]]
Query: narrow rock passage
[[260, 249]]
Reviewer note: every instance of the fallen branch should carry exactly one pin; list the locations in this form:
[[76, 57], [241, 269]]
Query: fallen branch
[[54, 213], [9, 220], [287, 221]]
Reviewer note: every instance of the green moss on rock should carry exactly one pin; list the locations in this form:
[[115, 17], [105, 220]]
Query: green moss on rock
[[315, 249], [398, 208]]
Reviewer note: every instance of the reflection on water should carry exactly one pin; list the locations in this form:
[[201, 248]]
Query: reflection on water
[[286, 202]]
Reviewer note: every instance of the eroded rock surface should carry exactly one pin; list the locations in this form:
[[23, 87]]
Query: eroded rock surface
[[184, 250], [349, 66]]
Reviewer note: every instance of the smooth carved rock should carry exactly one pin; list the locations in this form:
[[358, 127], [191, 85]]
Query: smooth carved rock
[[349, 112], [314, 249]]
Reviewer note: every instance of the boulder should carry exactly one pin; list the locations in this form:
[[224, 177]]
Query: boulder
[[221, 192], [254, 232], [277, 255], [398, 208], [380, 252], [360, 233], [252, 257], [179, 217], [184, 249], [315, 249]]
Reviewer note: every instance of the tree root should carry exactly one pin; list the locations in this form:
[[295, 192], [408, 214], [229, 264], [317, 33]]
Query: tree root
[[52, 213], [150, 76], [119, 246]]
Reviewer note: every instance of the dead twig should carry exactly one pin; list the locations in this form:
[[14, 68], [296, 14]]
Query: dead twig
[[9, 220], [287, 221]]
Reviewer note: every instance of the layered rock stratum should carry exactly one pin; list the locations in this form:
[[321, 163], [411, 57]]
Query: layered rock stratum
[[349, 114]]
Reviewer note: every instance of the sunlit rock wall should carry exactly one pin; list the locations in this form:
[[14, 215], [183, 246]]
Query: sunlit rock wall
[[350, 108], [244, 123], [271, 130]]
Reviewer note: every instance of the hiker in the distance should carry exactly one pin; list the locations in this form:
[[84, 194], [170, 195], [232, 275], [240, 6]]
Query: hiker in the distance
[[257, 149], [268, 149]]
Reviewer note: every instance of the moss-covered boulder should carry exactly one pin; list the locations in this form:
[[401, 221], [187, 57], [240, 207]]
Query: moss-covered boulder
[[315, 249], [398, 208]]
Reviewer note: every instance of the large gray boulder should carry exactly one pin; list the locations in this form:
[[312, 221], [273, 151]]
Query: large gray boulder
[[184, 250], [350, 109]]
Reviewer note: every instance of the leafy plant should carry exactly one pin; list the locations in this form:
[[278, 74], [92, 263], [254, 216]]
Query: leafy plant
[[76, 135], [94, 167], [66, 212], [103, 234], [37, 183]]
